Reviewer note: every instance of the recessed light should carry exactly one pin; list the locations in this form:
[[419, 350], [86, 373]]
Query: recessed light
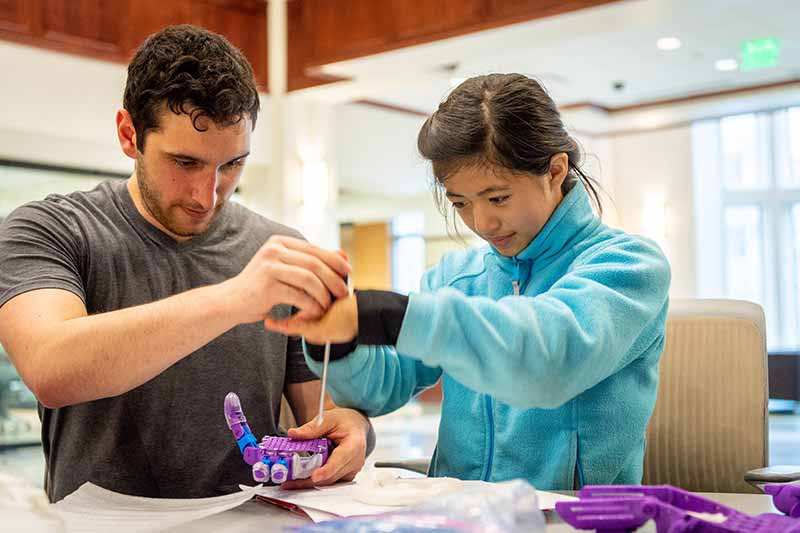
[[726, 64], [668, 43]]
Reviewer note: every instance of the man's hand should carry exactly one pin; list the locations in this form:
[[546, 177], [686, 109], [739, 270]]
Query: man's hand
[[338, 325], [348, 429], [288, 271]]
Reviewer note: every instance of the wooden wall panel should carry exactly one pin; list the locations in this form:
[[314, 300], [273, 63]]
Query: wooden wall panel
[[244, 23], [415, 19], [300, 65], [326, 31], [519, 10], [345, 31], [112, 30], [16, 16], [372, 244], [145, 17], [298, 53], [93, 24]]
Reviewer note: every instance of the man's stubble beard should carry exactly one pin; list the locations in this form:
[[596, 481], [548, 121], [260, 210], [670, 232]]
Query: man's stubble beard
[[152, 200]]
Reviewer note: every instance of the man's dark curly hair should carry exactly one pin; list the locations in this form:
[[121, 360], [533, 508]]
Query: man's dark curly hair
[[189, 70]]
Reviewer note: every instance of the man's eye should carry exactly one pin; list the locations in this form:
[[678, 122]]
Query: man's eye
[[185, 163], [459, 205], [235, 164]]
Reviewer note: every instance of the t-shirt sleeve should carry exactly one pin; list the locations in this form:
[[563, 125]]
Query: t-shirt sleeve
[[39, 249], [297, 370]]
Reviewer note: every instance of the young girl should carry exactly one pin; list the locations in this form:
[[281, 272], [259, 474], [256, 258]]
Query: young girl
[[547, 341]]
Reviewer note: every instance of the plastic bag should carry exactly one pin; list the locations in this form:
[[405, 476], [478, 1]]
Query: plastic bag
[[508, 507]]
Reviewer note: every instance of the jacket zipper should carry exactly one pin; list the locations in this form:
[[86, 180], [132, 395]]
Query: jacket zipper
[[489, 407], [515, 281], [490, 416]]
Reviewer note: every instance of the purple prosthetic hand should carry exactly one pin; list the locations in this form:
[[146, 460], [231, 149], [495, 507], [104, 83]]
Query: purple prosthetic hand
[[625, 508], [274, 459]]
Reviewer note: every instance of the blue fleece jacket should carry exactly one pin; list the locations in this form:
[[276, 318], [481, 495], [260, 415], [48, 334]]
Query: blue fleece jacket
[[555, 385]]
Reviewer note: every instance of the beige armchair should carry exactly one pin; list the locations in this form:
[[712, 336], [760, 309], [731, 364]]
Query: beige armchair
[[710, 424]]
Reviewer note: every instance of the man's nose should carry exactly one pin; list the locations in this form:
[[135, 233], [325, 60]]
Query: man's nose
[[205, 193]]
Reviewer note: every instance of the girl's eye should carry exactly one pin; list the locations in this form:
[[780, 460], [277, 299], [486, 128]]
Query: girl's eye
[[458, 205], [497, 200]]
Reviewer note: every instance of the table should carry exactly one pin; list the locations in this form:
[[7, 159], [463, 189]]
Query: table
[[263, 517]]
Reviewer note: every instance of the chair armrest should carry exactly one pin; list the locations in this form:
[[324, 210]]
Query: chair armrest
[[415, 465], [773, 474]]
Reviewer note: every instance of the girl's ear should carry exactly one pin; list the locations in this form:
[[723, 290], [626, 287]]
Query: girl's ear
[[559, 168]]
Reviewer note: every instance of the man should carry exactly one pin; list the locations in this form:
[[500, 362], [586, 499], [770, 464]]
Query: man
[[132, 309]]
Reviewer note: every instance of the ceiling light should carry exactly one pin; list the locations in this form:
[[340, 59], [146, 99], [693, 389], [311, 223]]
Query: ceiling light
[[726, 64], [668, 43]]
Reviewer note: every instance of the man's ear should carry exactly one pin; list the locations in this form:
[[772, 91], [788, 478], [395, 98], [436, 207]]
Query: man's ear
[[126, 134]]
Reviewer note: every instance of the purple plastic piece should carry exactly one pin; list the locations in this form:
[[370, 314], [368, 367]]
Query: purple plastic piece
[[234, 416], [786, 498], [625, 508], [274, 459]]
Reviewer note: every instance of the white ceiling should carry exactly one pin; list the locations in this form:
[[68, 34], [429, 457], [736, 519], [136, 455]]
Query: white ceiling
[[580, 55]]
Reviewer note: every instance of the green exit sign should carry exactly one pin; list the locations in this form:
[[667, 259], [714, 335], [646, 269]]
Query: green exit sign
[[760, 53]]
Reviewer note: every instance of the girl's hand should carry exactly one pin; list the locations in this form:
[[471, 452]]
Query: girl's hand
[[338, 325]]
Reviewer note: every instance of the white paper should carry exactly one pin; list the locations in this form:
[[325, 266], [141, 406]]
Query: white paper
[[548, 500], [320, 516], [338, 500], [24, 507], [92, 508]]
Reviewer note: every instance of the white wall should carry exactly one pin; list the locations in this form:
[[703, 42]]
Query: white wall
[[59, 109], [377, 151], [653, 194], [598, 163]]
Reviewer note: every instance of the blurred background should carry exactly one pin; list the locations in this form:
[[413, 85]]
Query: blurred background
[[688, 112]]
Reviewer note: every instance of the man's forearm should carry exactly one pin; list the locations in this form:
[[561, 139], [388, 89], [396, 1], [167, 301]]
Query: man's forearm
[[104, 355]]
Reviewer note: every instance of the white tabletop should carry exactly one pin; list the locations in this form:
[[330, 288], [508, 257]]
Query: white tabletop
[[263, 517]]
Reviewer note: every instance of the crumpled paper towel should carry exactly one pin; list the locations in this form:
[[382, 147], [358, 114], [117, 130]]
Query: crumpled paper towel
[[378, 487]]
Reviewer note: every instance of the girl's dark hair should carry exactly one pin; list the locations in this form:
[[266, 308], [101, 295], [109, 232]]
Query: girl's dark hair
[[190, 70], [499, 120]]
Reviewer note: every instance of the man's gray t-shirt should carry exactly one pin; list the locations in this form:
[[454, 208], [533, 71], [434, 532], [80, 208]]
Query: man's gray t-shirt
[[167, 437]]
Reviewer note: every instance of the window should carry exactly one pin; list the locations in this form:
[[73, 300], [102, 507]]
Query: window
[[19, 185], [408, 251], [747, 212]]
